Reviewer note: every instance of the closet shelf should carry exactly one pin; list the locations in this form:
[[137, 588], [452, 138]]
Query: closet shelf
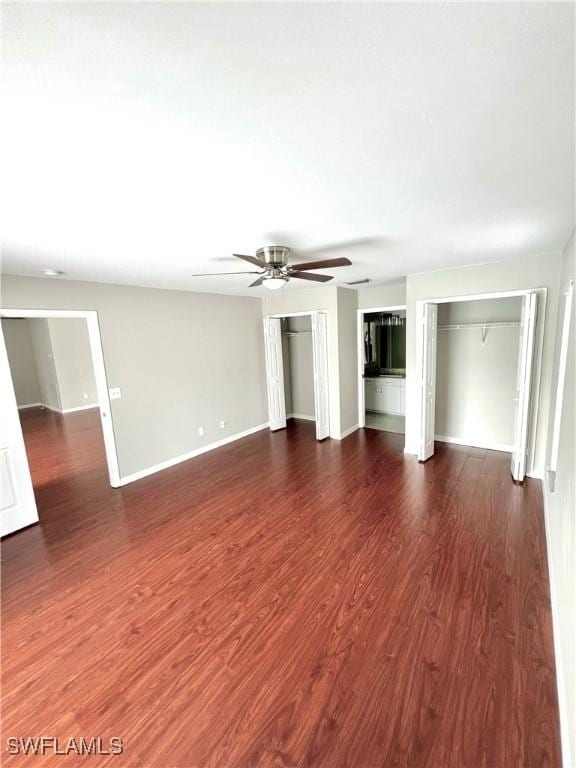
[[462, 326], [483, 326]]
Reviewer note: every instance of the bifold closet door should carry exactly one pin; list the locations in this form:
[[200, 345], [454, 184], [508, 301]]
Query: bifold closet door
[[427, 340], [523, 386], [274, 372], [320, 361], [17, 502]]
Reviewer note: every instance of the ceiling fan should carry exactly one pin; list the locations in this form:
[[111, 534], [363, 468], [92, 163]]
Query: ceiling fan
[[275, 271]]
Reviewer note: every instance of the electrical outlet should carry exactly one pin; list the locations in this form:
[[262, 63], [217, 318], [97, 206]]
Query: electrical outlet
[[201, 431], [222, 424], [115, 393]]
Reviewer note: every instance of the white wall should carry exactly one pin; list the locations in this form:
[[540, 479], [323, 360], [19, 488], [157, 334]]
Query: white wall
[[519, 274], [22, 363], [165, 350], [560, 509], [475, 382], [73, 362]]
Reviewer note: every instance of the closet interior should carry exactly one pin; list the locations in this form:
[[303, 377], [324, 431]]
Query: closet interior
[[298, 362], [477, 371]]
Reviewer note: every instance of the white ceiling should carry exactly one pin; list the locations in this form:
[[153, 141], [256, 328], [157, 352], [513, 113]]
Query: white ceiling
[[148, 141]]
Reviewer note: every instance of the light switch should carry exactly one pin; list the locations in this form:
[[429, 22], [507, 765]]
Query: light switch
[[115, 393]]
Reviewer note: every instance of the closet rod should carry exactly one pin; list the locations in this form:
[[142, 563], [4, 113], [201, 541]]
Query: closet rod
[[462, 326], [296, 333], [483, 326]]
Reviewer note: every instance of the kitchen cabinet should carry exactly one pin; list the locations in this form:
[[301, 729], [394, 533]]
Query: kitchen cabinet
[[385, 395]]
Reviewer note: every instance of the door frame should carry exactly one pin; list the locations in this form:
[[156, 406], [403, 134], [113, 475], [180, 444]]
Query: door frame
[[360, 341], [309, 313], [97, 355], [560, 383], [536, 361]]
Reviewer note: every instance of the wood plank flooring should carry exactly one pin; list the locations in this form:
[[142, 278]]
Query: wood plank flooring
[[280, 602]]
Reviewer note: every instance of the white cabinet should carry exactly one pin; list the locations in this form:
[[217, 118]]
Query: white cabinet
[[370, 394], [385, 395]]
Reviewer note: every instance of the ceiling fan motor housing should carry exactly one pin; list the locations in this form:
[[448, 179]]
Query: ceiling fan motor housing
[[274, 255]]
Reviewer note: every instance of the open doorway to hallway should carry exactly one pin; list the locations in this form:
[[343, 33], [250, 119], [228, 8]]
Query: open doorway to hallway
[[57, 437], [55, 387]]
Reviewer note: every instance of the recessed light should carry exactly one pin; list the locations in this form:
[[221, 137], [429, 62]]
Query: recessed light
[[52, 272]]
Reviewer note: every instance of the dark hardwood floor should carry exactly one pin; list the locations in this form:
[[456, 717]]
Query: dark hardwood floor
[[280, 602]]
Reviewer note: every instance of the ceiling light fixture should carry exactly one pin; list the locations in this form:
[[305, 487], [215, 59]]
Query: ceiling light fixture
[[52, 272], [273, 283]]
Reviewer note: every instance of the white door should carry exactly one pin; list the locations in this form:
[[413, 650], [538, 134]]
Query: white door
[[321, 393], [275, 372], [427, 341], [17, 502], [523, 386]]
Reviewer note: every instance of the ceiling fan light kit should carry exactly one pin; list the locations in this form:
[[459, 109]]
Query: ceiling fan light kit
[[275, 271], [273, 283]]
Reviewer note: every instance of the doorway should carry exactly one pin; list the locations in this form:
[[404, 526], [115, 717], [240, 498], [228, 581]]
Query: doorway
[[476, 356], [382, 368], [55, 409], [297, 369]]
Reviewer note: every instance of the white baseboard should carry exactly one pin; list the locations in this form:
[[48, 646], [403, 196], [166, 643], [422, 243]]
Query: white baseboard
[[190, 455], [474, 443], [560, 682], [346, 432], [80, 408], [58, 410], [301, 416]]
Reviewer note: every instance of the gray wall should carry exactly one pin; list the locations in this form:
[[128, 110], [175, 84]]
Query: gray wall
[[286, 369], [560, 506], [386, 295], [45, 363], [348, 357], [73, 361], [475, 382], [301, 368], [22, 363], [182, 360]]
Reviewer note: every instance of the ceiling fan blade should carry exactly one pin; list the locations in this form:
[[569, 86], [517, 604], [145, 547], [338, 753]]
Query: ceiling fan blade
[[215, 274], [312, 276], [256, 282], [251, 259], [326, 264]]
